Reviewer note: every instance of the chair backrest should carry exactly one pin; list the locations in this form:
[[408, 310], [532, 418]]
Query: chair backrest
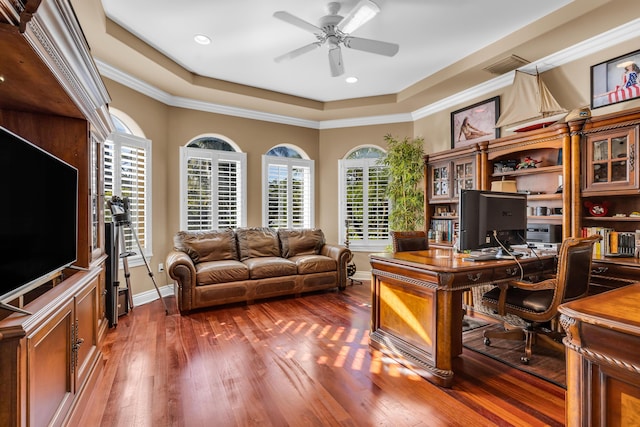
[[574, 268], [403, 241]]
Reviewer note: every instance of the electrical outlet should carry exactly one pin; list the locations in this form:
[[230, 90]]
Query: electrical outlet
[[160, 267]]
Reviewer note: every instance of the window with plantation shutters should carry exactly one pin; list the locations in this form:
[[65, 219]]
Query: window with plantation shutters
[[287, 190], [213, 188], [364, 207], [127, 173]]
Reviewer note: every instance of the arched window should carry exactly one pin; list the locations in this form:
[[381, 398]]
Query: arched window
[[364, 207], [287, 188], [127, 173], [213, 184]]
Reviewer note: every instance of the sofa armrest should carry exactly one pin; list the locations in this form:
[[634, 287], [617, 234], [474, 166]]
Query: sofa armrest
[[181, 269], [342, 255]]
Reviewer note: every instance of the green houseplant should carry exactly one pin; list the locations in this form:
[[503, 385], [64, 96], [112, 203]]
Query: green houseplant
[[405, 168]]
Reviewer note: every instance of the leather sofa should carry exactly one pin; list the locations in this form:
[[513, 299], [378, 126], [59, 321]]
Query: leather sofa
[[218, 267]]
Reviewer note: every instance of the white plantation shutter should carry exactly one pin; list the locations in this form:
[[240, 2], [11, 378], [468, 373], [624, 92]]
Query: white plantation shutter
[[213, 187], [363, 204], [301, 196], [127, 165], [287, 192]]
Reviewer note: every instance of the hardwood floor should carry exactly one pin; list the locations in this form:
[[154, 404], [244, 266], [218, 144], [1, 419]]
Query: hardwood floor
[[295, 362]]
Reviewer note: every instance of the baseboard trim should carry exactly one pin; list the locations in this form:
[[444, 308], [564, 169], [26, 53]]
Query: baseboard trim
[[151, 295]]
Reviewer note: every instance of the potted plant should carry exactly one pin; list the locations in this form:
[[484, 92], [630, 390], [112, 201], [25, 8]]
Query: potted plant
[[405, 168]]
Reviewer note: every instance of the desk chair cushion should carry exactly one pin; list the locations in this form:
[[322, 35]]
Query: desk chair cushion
[[521, 300]]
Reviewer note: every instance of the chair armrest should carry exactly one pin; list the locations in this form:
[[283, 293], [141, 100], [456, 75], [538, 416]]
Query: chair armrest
[[181, 269], [342, 255], [535, 286]]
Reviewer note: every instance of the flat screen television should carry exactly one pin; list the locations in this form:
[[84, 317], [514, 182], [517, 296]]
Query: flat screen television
[[38, 217], [492, 219]]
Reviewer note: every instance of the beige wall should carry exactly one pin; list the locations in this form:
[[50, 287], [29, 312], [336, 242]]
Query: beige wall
[[169, 128]]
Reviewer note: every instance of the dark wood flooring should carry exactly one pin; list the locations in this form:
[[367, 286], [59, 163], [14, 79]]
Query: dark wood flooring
[[300, 361]]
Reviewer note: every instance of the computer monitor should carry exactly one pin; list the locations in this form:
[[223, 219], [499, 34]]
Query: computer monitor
[[492, 219]]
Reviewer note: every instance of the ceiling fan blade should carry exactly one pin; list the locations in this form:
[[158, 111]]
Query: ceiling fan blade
[[297, 52], [335, 62], [372, 46], [362, 13], [294, 20]]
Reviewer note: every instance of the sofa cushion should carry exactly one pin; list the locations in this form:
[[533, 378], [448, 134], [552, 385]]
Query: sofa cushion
[[203, 246], [265, 267], [213, 272], [308, 264], [256, 242], [301, 242]]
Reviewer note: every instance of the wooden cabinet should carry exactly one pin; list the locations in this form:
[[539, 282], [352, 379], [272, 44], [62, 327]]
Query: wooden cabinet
[[54, 97], [603, 379], [447, 173], [51, 356], [610, 161], [608, 196]]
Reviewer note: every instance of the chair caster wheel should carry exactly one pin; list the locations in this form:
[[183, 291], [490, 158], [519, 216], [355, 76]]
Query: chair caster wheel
[[487, 341], [524, 360]]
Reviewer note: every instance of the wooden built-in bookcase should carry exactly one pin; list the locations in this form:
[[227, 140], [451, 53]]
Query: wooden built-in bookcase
[[53, 96], [592, 160]]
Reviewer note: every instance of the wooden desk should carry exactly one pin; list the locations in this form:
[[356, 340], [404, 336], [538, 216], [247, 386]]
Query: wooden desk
[[417, 311], [603, 361], [609, 273]]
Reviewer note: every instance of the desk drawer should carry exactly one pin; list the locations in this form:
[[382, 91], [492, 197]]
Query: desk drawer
[[506, 272], [618, 271], [470, 278]]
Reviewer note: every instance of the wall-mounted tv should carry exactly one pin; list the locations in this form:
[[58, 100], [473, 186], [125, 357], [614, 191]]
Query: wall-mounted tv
[[38, 216]]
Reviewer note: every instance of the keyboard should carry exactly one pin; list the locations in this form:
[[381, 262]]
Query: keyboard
[[481, 257]]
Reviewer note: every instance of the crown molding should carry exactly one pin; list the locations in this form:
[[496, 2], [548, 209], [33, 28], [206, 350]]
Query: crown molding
[[594, 44]]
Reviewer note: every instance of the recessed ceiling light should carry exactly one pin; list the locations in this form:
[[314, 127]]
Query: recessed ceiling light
[[202, 39], [351, 79]]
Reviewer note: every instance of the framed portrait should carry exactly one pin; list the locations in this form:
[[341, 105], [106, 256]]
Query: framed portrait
[[475, 123], [615, 80]]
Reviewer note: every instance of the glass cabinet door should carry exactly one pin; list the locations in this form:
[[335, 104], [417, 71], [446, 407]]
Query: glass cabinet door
[[464, 177], [610, 161], [440, 179]]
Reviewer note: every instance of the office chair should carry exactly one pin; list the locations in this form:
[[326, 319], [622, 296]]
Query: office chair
[[536, 304], [403, 241]]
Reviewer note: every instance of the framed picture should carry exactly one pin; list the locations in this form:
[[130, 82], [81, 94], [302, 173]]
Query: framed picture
[[475, 123], [442, 210], [615, 80]]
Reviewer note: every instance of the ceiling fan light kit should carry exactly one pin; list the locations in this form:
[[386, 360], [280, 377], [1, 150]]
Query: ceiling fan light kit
[[334, 31], [361, 14]]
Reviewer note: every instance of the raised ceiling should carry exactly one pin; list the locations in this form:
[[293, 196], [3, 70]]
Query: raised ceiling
[[445, 47], [246, 38]]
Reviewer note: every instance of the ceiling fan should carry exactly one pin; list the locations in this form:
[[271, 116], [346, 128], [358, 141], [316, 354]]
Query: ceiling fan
[[334, 31]]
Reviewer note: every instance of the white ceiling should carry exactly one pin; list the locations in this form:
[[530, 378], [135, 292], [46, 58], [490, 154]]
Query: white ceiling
[[432, 34]]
